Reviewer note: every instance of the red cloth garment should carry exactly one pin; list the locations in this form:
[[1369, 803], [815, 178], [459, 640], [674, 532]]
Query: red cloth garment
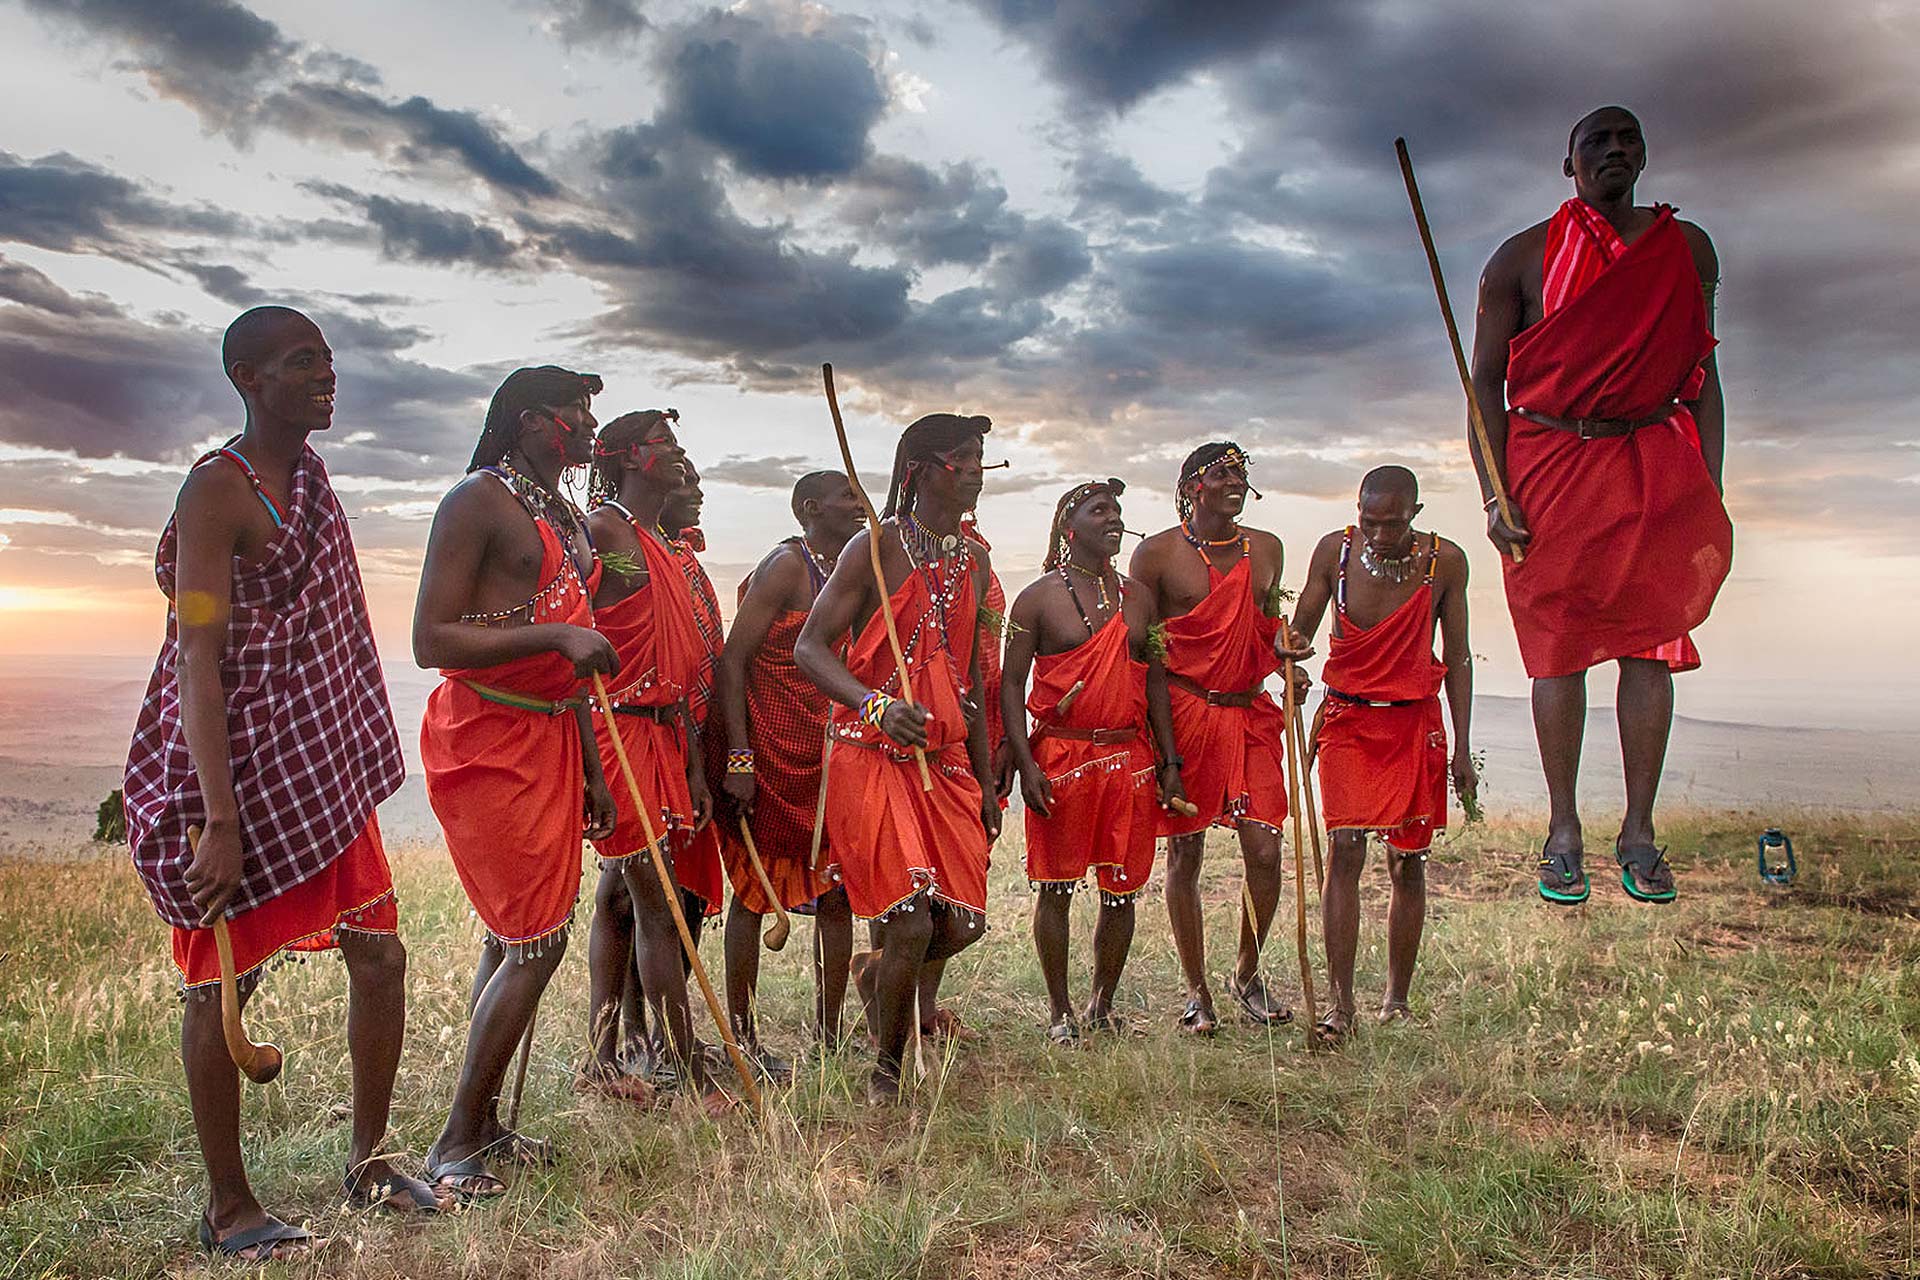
[[507, 782], [891, 841], [1630, 539], [1383, 768], [786, 723], [354, 891], [1103, 792], [1234, 766], [991, 639], [313, 746], [699, 867]]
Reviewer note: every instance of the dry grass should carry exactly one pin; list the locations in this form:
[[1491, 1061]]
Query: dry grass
[[1727, 1087]]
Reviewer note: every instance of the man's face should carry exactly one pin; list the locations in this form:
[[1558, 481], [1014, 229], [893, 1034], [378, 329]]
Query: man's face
[[660, 457], [956, 476], [839, 513], [564, 431], [295, 383], [1096, 525], [1608, 155], [682, 508], [1220, 488], [1386, 522]]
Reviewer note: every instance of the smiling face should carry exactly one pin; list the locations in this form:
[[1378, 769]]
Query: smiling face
[[1220, 489], [1606, 155], [682, 509], [293, 383], [1095, 527], [564, 431], [837, 514]]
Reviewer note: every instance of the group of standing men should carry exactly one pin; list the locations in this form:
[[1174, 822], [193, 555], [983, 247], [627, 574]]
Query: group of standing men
[[848, 748]]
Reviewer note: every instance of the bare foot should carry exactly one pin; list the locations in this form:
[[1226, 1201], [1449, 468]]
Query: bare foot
[[1395, 1011]]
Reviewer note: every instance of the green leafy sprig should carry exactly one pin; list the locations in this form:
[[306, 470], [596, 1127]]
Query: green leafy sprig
[[623, 564], [1157, 641], [1470, 805], [1275, 602], [997, 623]]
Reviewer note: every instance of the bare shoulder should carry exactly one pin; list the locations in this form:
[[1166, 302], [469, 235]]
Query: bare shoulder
[[605, 525], [1034, 595], [212, 490], [780, 574], [478, 495], [1263, 542], [1329, 546], [1516, 250], [1705, 257], [1450, 561]]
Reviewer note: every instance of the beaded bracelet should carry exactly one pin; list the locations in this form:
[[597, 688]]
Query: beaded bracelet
[[740, 760], [873, 707]]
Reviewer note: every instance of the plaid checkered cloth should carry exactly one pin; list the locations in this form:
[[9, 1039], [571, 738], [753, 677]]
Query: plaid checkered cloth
[[706, 613], [313, 743]]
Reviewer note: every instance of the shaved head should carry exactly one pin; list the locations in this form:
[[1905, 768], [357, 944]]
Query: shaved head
[[1573, 135], [816, 486], [257, 334], [1390, 482]]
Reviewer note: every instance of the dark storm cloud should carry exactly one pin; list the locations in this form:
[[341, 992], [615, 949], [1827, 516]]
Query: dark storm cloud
[[420, 232], [766, 472], [63, 203], [23, 284], [778, 102], [592, 23], [411, 132]]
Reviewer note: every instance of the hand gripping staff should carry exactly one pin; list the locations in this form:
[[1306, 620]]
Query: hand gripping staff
[[672, 894], [258, 1062], [1453, 333], [873, 554], [777, 934]]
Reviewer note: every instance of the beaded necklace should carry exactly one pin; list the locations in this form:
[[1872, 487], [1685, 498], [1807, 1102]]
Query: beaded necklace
[[531, 491], [1200, 544], [929, 560], [1106, 604]]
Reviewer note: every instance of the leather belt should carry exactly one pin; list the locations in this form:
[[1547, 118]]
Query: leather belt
[[1598, 428], [1103, 737], [1371, 702], [522, 702], [1214, 697], [669, 713]]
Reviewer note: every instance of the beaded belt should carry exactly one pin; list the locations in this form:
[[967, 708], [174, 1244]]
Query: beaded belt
[[520, 701], [1373, 702], [1214, 697]]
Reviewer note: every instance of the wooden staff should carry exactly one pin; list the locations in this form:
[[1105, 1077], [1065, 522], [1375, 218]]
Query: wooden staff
[[873, 553], [671, 892], [520, 1074], [1298, 731], [820, 804], [1459, 354], [1299, 869], [258, 1062], [777, 935]]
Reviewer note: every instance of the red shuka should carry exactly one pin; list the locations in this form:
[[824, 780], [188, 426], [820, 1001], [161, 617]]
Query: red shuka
[[1234, 766], [700, 868], [786, 723], [1630, 539], [506, 782], [1383, 768], [891, 841], [1103, 792]]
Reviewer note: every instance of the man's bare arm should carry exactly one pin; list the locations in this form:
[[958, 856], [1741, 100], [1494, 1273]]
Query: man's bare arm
[[1709, 411], [1016, 665], [1496, 321], [1312, 604], [209, 522], [768, 595], [1456, 649]]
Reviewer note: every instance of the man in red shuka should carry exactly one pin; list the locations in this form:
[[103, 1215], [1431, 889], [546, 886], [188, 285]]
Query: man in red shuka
[[1087, 770], [266, 613], [914, 861], [1593, 368], [1218, 586], [1379, 740], [774, 719]]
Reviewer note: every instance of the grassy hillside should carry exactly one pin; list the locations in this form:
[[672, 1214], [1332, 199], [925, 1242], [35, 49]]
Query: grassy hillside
[[1730, 1086]]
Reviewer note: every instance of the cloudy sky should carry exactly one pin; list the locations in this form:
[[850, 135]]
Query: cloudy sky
[[1120, 227]]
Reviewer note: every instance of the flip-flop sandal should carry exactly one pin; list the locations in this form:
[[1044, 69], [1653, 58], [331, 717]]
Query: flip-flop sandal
[[1398, 1011], [449, 1174], [519, 1148], [1563, 881], [947, 1026], [1244, 996], [1063, 1032], [1644, 873], [1332, 1030], [1198, 1020], [618, 1086], [263, 1238], [1110, 1023], [396, 1193]]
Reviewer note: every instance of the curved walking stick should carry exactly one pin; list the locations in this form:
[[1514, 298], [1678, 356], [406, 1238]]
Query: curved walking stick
[[1459, 355], [671, 892], [1299, 868], [820, 804], [260, 1063], [1299, 732], [777, 935], [873, 554], [520, 1075]]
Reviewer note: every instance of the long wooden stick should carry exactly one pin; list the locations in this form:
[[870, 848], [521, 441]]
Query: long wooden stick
[[671, 892], [1299, 859], [1299, 731], [820, 804], [873, 553], [520, 1074], [1459, 353], [258, 1062], [777, 935]]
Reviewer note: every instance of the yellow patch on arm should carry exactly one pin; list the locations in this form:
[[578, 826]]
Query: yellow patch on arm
[[196, 608]]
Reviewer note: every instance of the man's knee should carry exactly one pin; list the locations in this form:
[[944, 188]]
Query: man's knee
[[911, 930], [1260, 847], [1407, 870], [1349, 854], [610, 896], [376, 959], [1183, 856]]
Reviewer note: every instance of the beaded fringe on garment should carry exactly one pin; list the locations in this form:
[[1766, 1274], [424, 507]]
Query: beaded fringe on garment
[[249, 982]]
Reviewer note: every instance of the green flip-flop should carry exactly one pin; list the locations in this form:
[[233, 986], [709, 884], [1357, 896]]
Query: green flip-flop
[[1563, 881], [1644, 873]]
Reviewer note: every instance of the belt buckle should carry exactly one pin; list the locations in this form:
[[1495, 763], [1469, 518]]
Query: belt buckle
[[1585, 426]]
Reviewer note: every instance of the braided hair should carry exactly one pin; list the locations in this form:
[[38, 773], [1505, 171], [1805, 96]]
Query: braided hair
[[921, 445], [539, 387], [616, 443], [1198, 461], [1071, 502]]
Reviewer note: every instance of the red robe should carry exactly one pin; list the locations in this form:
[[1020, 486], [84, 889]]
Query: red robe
[[1235, 757], [1103, 791], [786, 721], [701, 870], [506, 781], [1384, 768], [1630, 539], [892, 841]]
